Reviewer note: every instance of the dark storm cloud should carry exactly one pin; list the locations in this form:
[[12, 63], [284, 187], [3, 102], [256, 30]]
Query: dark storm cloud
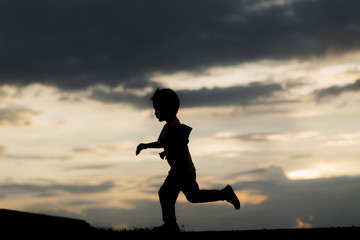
[[75, 44], [290, 199], [121, 97], [251, 94], [334, 91]]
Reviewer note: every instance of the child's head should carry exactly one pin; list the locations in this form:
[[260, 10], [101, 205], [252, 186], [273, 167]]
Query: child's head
[[166, 104]]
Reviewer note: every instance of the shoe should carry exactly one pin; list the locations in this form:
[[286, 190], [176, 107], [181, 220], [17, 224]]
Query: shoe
[[231, 197], [167, 227]]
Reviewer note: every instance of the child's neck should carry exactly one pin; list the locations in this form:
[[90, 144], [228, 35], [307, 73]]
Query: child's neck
[[171, 119]]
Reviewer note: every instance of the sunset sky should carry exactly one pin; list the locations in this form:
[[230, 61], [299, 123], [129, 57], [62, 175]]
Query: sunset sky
[[271, 89]]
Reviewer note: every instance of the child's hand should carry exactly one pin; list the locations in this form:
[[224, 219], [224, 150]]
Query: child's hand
[[162, 155], [139, 148]]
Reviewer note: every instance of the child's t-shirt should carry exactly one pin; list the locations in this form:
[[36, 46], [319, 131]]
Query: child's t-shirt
[[175, 138]]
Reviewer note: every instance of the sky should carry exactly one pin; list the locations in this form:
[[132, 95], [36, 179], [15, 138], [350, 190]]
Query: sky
[[271, 89]]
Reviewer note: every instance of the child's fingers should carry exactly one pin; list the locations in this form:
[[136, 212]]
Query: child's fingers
[[138, 150]]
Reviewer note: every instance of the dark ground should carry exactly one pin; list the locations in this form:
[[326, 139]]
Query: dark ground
[[16, 223]]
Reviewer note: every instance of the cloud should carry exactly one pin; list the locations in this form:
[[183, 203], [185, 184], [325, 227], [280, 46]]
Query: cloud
[[52, 188], [295, 199], [16, 116], [343, 139], [251, 94], [271, 173], [290, 200], [106, 96], [301, 224], [335, 91], [2, 150], [267, 137], [76, 44], [37, 157], [100, 150], [90, 167]]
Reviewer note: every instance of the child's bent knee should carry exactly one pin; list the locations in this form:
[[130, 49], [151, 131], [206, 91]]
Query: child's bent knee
[[193, 198]]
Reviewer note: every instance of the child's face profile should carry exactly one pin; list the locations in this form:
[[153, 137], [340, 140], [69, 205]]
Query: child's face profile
[[161, 113], [166, 104]]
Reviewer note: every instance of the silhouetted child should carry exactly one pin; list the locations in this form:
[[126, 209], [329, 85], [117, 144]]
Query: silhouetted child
[[182, 175]]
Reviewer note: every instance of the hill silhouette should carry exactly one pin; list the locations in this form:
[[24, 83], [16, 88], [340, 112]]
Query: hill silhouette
[[17, 223], [25, 223]]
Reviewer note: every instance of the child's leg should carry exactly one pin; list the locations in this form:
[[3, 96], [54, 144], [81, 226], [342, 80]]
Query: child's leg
[[194, 195], [168, 194]]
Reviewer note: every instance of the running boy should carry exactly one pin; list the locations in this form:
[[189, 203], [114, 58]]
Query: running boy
[[174, 138]]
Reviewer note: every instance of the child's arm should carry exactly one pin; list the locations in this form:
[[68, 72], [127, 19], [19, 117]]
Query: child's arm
[[143, 146]]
